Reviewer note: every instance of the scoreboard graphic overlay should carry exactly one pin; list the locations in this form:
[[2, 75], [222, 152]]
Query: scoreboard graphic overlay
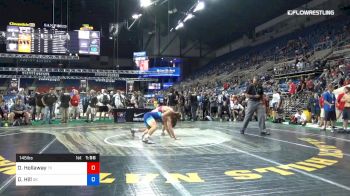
[[52, 39], [57, 169]]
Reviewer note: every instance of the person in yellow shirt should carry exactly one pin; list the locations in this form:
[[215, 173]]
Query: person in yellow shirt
[[155, 103], [346, 111]]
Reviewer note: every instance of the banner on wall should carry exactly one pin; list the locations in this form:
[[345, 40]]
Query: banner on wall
[[163, 71]]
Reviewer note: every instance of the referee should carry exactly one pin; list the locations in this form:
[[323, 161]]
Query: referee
[[255, 93]]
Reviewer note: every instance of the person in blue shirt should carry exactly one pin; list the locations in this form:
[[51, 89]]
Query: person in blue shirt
[[314, 107], [329, 107]]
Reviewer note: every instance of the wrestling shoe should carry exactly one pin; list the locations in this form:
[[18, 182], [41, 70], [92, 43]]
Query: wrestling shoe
[[264, 132], [163, 134], [147, 141], [242, 131], [133, 131]]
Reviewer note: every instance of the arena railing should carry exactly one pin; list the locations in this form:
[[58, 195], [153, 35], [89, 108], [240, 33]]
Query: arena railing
[[323, 45]]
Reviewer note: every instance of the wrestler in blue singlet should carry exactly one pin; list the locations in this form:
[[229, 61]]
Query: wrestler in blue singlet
[[150, 116]]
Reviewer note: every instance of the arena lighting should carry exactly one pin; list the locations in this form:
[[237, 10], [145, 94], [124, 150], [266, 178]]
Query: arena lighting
[[136, 16], [200, 6], [145, 3], [188, 16], [179, 26]]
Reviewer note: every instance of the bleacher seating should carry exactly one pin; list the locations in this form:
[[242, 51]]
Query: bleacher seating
[[280, 49], [26, 82]]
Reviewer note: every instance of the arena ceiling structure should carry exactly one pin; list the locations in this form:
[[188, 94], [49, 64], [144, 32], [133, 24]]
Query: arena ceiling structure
[[220, 22]]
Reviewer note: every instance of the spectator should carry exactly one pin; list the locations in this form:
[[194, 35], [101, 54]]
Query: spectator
[[292, 87], [314, 107], [141, 101], [323, 83], [340, 104], [177, 97], [181, 105], [133, 100], [19, 110], [49, 100], [39, 105], [280, 110], [299, 118], [119, 100], [110, 105], [84, 102], [200, 104], [275, 103], [206, 105], [3, 109], [213, 105], [92, 104], [22, 95], [329, 107], [236, 110], [302, 85], [74, 102], [112, 102], [104, 100], [347, 81], [65, 99], [309, 84], [322, 114], [220, 101], [225, 107], [32, 104], [171, 99], [317, 88], [194, 105]]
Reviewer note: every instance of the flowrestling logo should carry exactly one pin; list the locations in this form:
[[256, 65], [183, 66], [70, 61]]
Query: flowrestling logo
[[310, 12]]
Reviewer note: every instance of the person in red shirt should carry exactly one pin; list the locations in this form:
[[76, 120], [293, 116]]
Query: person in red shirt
[[322, 111], [292, 87], [347, 81], [310, 84], [74, 102], [339, 104], [226, 86]]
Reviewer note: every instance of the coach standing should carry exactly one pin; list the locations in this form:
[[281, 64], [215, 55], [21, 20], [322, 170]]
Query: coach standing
[[255, 93]]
